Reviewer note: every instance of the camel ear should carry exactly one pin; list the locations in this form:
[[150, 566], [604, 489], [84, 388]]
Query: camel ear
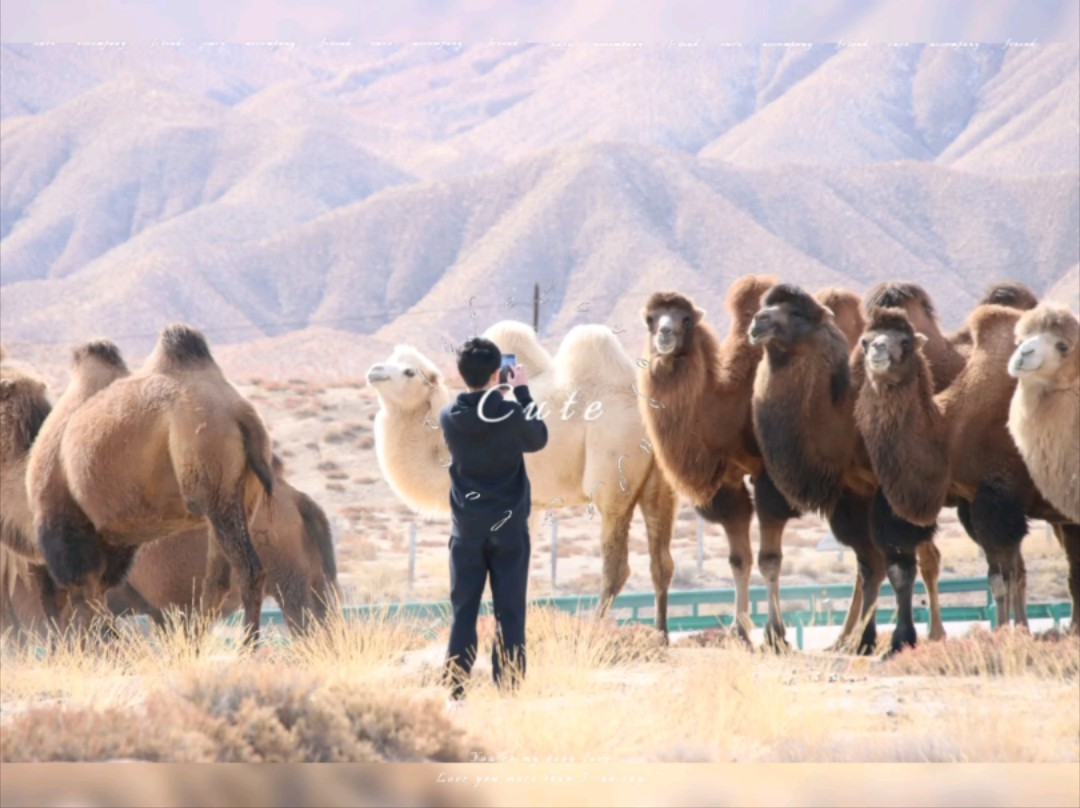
[[644, 314], [920, 338], [699, 315], [829, 312], [7, 387]]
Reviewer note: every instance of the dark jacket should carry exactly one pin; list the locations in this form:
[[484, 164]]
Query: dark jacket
[[487, 459]]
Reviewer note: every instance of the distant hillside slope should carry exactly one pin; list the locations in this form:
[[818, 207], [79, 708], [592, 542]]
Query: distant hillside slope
[[416, 192]]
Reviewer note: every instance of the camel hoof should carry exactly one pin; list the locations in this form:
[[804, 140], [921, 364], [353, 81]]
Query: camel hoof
[[938, 635], [775, 641]]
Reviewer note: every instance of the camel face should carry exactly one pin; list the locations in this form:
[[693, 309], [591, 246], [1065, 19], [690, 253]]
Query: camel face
[[889, 347], [670, 318], [405, 379], [1047, 340], [788, 315], [889, 355], [1039, 356]]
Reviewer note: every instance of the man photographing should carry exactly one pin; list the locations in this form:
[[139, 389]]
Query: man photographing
[[490, 501]]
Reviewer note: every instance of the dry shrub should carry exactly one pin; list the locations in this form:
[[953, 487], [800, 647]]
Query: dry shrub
[[254, 714], [557, 637], [1005, 652]]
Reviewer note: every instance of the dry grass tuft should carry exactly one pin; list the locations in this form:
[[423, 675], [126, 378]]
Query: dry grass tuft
[[1005, 652]]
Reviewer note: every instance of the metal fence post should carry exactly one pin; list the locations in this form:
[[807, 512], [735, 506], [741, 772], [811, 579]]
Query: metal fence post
[[412, 553], [554, 551], [700, 544]]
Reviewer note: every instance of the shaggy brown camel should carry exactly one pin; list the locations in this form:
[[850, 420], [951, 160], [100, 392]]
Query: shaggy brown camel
[[847, 311], [962, 448], [24, 406], [803, 414], [590, 460], [696, 406], [202, 457]]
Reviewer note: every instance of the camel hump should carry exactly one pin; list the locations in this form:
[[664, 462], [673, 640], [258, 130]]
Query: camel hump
[[898, 295], [1013, 294], [847, 310], [519, 338], [1050, 318], [102, 350], [591, 354], [744, 295], [992, 325], [184, 345]]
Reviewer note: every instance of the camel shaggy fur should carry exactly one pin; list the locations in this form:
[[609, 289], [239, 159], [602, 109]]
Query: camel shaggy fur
[[963, 449], [1044, 415], [803, 413], [593, 455], [166, 449], [695, 402]]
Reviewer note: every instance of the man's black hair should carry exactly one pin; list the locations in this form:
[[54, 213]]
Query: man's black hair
[[477, 359]]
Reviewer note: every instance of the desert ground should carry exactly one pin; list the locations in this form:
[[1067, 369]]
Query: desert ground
[[595, 692]]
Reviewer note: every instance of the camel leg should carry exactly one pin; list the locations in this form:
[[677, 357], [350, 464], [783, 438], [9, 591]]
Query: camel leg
[[999, 524], [898, 540], [773, 513], [732, 508], [850, 523], [1069, 538], [614, 546], [658, 504], [929, 557], [230, 528]]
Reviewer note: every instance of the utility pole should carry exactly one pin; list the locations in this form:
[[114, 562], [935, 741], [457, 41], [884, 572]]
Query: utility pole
[[536, 307]]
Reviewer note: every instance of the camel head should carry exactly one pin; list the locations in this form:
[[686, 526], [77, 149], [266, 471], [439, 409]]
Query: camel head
[[1012, 294], [98, 363], [1047, 347], [670, 318], [890, 346], [787, 316], [405, 380]]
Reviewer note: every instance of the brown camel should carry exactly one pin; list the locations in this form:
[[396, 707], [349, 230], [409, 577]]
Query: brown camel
[[847, 312], [1012, 294], [166, 449], [294, 543], [962, 449], [24, 406], [803, 413], [696, 406]]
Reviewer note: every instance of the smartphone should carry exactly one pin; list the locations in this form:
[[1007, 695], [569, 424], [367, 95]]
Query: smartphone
[[508, 361]]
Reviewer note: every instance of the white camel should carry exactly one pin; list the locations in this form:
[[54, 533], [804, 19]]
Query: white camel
[[595, 455]]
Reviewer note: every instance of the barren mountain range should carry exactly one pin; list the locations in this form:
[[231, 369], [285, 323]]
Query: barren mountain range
[[311, 206]]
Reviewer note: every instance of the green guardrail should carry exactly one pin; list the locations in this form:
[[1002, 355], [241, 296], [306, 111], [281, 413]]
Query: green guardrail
[[686, 612]]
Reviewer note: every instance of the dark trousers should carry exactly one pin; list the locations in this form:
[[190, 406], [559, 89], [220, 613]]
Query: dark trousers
[[472, 559]]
